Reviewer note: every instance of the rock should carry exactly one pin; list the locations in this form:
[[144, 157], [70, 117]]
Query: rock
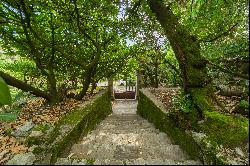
[[22, 159], [45, 160], [156, 162], [239, 152], [198, 136], [32, 148], [36, 134], [201, 121], [139, 161], [21, 140], [233, 162], [24, 130], [63, 161], [77, 162], [191, 162], [97, 162]]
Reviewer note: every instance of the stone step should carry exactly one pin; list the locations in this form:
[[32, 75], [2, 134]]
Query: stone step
[[124, 126], [138, 161], [124, 117], [128, 151], [125, 138], [137, 137]]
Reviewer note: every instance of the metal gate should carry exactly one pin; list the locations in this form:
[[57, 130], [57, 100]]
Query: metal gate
[[125, 91]]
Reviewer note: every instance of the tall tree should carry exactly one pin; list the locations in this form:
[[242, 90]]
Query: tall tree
[[186, 46]]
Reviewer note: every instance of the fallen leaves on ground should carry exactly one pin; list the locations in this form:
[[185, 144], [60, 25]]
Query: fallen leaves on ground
[[37, 111], [165, 95]]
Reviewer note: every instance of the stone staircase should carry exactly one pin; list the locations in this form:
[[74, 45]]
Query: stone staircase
[[124, 138]]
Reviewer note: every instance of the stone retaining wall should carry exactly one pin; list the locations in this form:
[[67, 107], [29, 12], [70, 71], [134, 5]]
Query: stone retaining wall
[[78, 122], [197, 144]]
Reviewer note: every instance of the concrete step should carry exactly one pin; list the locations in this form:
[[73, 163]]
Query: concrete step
[[125, 138], [124, 126], [141, 137], [137, 161], [128, 151], [124, 117]]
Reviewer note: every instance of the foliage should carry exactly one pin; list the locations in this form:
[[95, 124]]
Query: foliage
[[244, 104], [183, 102], [67, 45], [44, 34], [8, 116], [5, 97], [42, 127]]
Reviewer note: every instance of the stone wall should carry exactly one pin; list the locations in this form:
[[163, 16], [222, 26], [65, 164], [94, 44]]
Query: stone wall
[[73, 125], [198, 144]]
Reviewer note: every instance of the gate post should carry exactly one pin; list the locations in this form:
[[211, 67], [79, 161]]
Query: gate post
[[110, 87], [138, 83]]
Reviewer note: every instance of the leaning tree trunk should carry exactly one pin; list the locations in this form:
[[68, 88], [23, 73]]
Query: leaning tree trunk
[[85, 85], [24, 86], [187, 51]]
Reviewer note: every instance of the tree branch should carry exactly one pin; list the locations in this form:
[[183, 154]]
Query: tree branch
[[23, 86], [220, 35], [228, 71]]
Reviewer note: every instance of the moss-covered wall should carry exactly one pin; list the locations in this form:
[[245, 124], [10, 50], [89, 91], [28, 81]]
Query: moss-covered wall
[[217, 129], [151, 111], [80, 121]]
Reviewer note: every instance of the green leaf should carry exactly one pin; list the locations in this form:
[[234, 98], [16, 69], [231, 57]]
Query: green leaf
[[5, 97], [8, 117]]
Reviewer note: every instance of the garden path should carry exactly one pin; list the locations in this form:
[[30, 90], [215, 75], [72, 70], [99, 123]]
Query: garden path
[[126, 138]]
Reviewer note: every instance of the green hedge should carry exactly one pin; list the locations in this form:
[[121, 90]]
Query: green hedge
[[80, 121]]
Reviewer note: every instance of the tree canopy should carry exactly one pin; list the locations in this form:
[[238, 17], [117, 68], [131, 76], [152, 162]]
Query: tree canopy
[[50, 47]]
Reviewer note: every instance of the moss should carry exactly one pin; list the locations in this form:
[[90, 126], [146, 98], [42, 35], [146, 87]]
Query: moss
[[38, 150], [33, 141], [226, 130], [244, 104], [42, 127], [90, 162], [79, 121], [200, 97], [219, 128], [166, 123], [74, 117]]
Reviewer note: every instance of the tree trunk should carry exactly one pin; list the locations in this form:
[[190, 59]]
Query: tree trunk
[[111, 87], [86, 84], [229, 93], [187, 51], [156, 74], [94, 85], [52, 86], [25, 87]]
